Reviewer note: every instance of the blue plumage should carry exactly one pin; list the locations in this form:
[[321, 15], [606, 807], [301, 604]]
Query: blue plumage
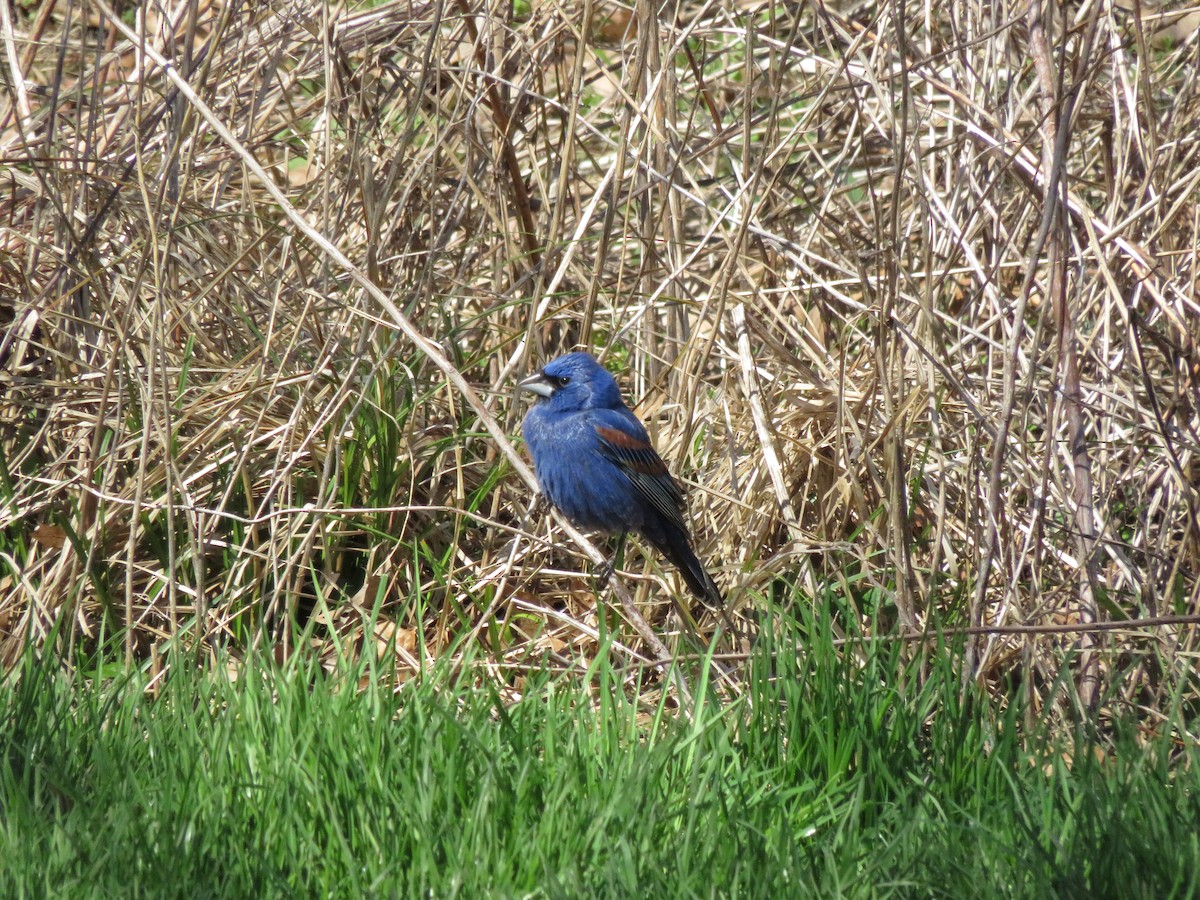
[[595, 463]]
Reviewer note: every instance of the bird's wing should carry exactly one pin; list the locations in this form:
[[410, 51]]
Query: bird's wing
[[625, 443]]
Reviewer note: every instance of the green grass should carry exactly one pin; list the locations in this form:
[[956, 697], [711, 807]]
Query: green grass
[[835, 775]]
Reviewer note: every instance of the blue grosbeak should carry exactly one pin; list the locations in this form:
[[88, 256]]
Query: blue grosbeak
[[595, 464]]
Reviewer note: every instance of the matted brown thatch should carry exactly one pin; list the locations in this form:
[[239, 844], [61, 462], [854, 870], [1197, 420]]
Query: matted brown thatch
[[907, 293]]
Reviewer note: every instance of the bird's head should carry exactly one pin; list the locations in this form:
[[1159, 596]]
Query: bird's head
[[572, 382]]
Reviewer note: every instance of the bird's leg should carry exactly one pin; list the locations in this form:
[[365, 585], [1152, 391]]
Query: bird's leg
[[605, 572]]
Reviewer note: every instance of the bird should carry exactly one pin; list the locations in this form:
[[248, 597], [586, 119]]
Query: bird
[[595, 463]]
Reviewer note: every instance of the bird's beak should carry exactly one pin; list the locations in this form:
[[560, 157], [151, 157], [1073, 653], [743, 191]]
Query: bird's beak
[[537, 384]]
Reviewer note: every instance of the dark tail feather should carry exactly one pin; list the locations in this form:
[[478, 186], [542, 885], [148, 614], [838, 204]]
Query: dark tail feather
[[674, 545]]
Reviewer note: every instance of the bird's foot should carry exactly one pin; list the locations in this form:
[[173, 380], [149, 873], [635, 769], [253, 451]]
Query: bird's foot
[[603, 574]]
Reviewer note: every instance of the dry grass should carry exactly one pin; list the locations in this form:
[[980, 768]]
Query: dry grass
[[906, 292]]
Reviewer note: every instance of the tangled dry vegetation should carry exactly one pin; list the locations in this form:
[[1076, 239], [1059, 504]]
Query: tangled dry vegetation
[[906, 292]]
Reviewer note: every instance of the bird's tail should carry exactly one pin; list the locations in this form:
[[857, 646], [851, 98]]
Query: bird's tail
[[673, 543]]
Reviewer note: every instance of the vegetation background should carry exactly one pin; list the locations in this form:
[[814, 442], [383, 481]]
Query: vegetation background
[[905, 292]]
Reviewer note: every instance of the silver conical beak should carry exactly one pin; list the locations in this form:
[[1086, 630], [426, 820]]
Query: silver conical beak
[[537, 384]]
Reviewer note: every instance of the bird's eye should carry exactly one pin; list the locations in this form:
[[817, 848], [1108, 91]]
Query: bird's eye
[[559, 380]]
